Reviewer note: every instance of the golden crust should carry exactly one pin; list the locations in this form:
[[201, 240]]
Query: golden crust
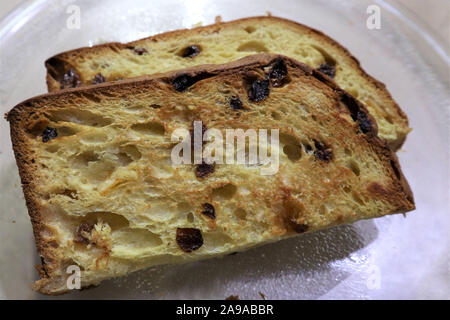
[[394, 194]]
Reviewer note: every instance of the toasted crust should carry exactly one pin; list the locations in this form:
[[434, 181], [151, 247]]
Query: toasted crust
[[388, 114], [399, 196]]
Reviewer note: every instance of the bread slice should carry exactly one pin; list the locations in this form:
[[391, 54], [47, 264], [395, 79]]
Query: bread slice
[[226, 42], [102, 192]]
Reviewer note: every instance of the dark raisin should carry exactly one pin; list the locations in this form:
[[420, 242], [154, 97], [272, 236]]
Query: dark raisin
[[236, 103], [70, 80], [208, 210], [48, 134], [259, 90], [98, 79], [364, 122], [278, 73], [191, 52], [204, 169], [83, 228], [189, 239], [322, 152], [233, 253], [308, 148], [140, 51], [327, 69], [299, 228], [182, 82]]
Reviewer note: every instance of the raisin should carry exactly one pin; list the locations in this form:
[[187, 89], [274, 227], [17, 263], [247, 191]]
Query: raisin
[[191, 52], [204, 169], [140, 51], [278, 73], [48, 134], [236, 103], [364, 122], [182, 82], [259, 90], [208, 210], [308, 148], [83, 228], [71, 79], [322, 152], [327, 69], [299, 228], [189, 239], [98, 79]]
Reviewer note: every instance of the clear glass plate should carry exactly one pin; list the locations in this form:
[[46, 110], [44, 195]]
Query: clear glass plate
[[391, 257]]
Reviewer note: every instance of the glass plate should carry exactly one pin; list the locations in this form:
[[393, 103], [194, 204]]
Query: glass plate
[[391, 257]]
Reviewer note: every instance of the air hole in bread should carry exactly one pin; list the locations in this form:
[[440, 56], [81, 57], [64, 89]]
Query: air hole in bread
[[389, 119], [52, 148], [291, 146], [114, 220], [252, 46], [328, 58], [276, 115], [250, 29], [354, 92], [323, 210], [215, 240], [124, 159], [353, 165], [131, 151], [240, 213], [94, 137], [190, 217], [149, 128], [84, 158], [136, 239], [73, 194], [82, 117], [65, 131], [99, 171], [293, 152], [358, 199], [184, 207], [225, 192]]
